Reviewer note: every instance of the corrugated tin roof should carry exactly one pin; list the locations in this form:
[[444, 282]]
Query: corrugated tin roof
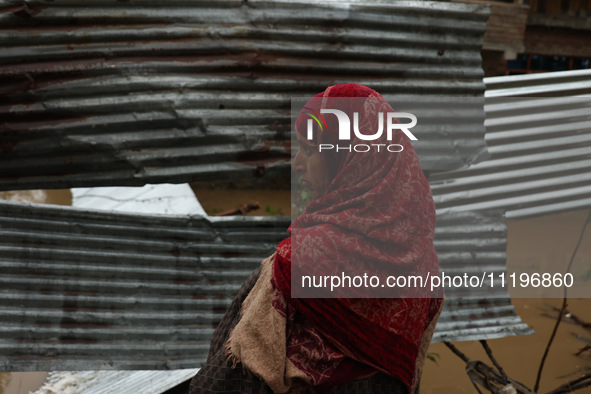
[[88, 290], [101, 93], [538, 132]]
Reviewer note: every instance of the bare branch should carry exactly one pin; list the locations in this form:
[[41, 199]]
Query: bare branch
[[563, 308]]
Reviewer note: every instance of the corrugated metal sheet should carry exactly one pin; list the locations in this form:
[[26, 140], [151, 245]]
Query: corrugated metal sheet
[[92, 290], [472, 243], [131, 92], [538, 132], [109, 382], [88, 290], [551, 84], [149, 199]]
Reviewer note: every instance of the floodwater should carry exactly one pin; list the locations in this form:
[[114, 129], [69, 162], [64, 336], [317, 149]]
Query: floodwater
[[21, 382], [58, 197], [546, 242], [272, 202]]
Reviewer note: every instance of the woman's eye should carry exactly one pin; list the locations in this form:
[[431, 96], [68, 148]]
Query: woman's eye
[[308, 150]]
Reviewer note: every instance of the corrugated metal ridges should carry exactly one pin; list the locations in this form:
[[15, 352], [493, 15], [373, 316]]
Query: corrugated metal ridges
[[124, 382], [127, 93], [84, 290], [472, 243], [92, 290], [550, 84], [538, 132]]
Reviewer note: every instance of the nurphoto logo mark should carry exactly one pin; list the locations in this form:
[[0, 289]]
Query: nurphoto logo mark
[[315, 117], [345, 129]]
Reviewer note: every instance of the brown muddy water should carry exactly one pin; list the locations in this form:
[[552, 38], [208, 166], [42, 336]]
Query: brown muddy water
[[546, 242], [21, 382], [58, 197]]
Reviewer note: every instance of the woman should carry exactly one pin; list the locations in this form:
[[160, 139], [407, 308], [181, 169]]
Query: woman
[[370, 212]]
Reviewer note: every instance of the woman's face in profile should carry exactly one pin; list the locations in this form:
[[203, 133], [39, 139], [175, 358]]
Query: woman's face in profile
[[308, 164]]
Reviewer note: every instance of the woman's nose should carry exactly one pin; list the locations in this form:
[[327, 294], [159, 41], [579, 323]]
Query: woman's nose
[[297, 165]]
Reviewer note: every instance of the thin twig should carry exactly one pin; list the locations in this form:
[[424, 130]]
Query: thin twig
[[564, 303], [488, 351], [480, 373], [574, 318], [457, 352], [577, 384], [581, 338], [241, 210], [560, 314], [461, 355], [583, 349]]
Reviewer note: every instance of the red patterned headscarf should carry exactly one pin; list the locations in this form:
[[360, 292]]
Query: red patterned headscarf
[[378, 209]]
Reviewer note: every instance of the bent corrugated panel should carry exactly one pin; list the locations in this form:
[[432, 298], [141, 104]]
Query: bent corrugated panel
[[99, 93]]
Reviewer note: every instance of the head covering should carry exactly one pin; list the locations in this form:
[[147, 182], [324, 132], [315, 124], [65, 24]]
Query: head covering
[[376, 214]]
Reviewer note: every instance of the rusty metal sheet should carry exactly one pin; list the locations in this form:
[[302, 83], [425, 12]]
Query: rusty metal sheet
[[96, 93]]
